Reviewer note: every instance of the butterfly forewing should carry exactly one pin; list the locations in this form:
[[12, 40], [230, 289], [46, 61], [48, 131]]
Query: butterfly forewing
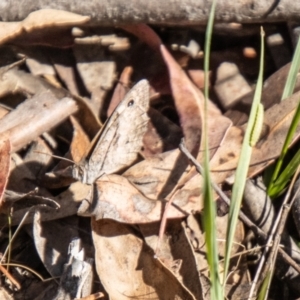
[[122, 136]]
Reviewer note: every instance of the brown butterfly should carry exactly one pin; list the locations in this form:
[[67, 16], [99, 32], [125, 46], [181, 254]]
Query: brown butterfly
[[118, 142]]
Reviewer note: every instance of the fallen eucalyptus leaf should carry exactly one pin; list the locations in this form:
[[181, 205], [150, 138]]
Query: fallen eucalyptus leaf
[[38, 20], [131, 265]]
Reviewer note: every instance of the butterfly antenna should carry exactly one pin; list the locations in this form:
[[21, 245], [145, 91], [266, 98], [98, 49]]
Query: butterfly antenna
[[57, 157]]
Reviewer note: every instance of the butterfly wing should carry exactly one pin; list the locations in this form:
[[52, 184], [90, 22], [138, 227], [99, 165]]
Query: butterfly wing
[[122, 136]]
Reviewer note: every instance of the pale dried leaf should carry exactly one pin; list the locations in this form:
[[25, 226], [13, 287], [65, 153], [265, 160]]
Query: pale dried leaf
[[120, 90], [114, 197], [97, 71], [77, 278], [277, 121], [129, 258], [156, 176], [4, 295], [271, 94], [80, 142], [40, 19], [52, 240], [176, 253]]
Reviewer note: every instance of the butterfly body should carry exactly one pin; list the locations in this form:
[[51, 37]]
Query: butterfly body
[[117, 144]]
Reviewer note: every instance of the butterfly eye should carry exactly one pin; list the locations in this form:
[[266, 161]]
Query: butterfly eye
[[130, 103]]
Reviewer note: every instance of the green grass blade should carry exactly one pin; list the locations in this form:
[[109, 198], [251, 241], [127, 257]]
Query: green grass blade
[[285, 176], [292, 76], [265, 287], [209, 204], [272, 190], [243, 164]]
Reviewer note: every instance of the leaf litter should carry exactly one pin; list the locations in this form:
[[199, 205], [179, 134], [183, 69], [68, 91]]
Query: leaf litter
[[55, 101]]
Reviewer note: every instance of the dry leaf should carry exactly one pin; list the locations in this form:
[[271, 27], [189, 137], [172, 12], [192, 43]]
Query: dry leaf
[[96, 71], [80, 141], [189, 100], [277, 120], [120, 90], [176, 253], [38, 20], [5, 149], [63, 63], [77, 278], [197, 77], [127, 267], [114, 197], [271, 94], [52, 240], [4, 295], [156, 177], [145, 34]]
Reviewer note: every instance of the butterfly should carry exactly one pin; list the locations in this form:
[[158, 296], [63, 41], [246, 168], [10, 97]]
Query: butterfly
[[117, 144]]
